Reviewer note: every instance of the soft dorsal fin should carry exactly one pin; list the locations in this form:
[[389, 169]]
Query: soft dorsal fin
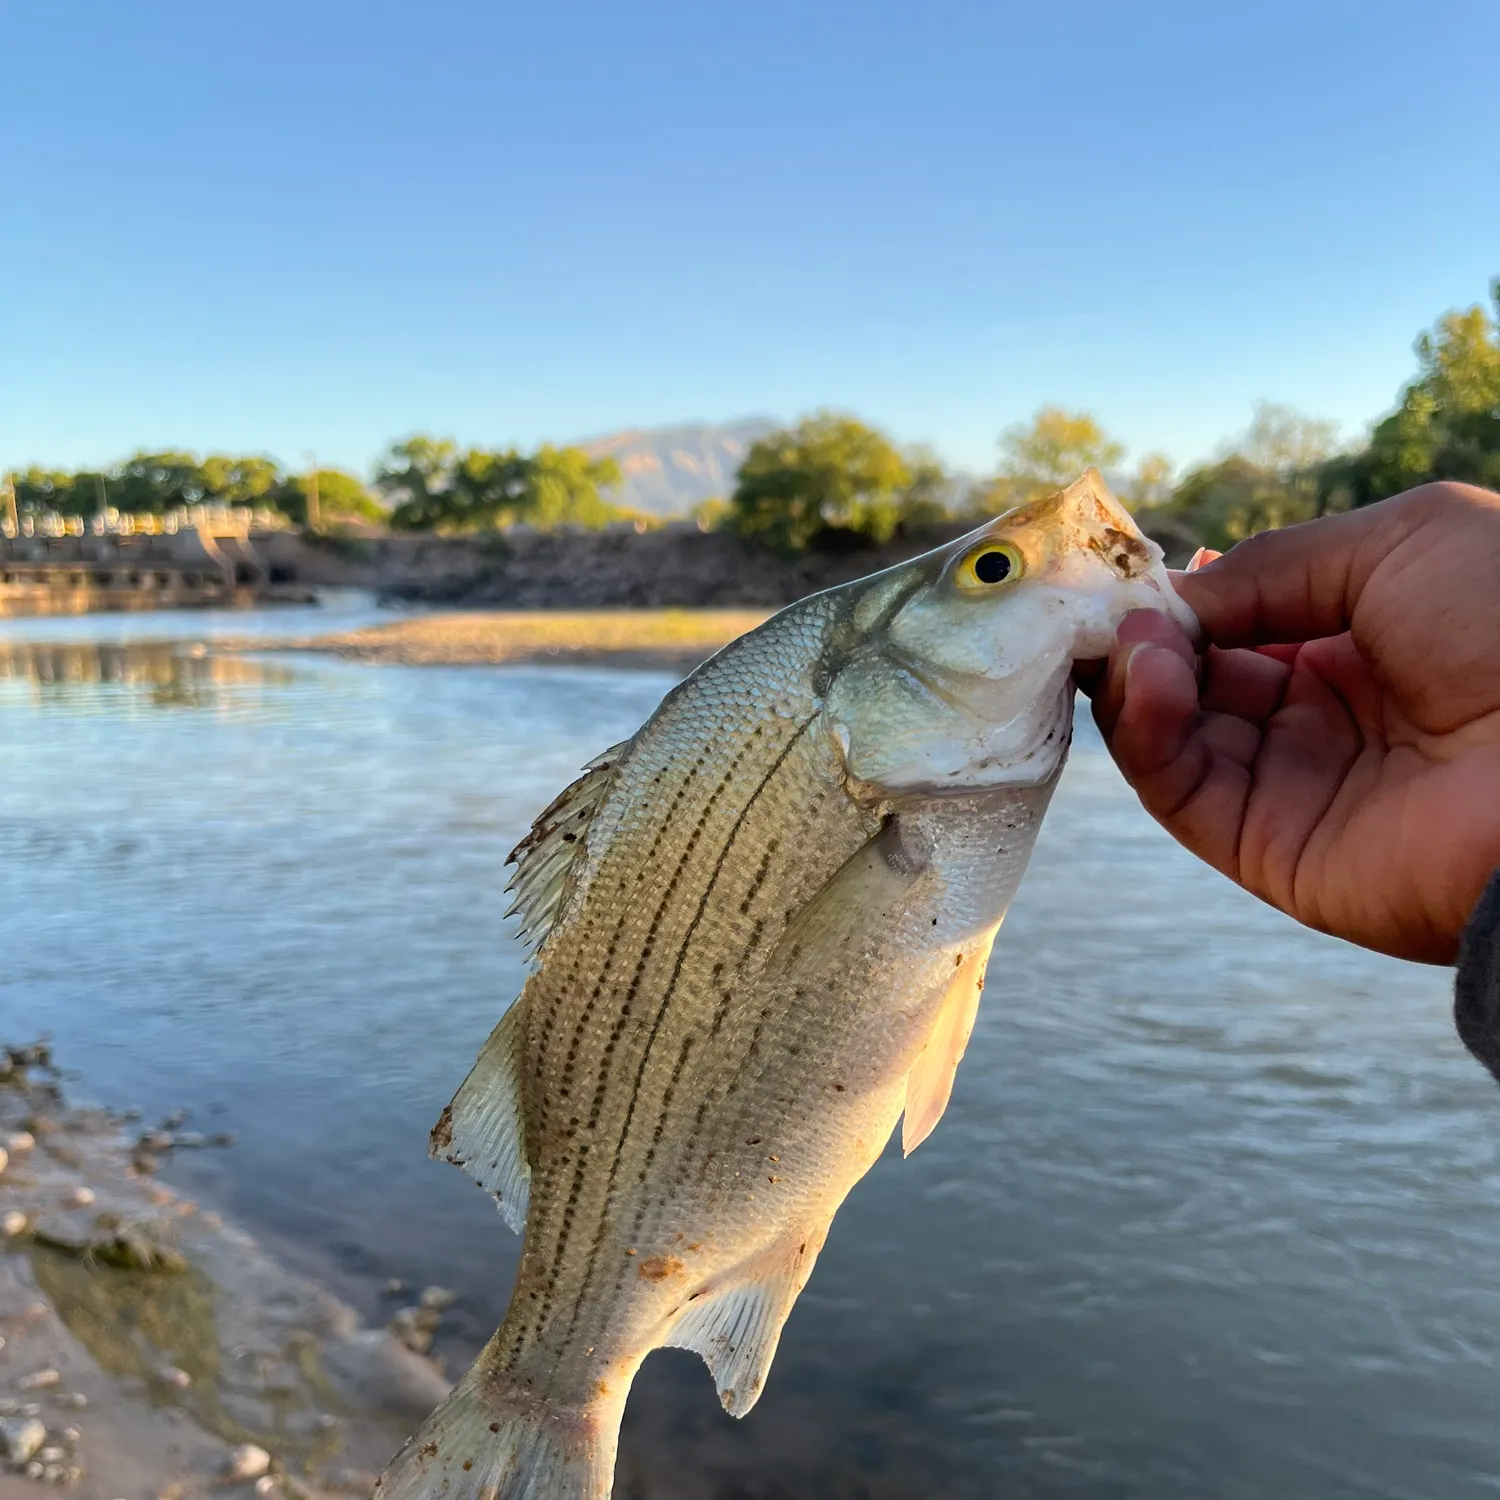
[[547, 856], [483, 1130], [930, 1082], [736, 1326]]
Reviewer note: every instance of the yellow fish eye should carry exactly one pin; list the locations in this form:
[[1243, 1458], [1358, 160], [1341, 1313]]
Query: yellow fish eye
[[989, 564]]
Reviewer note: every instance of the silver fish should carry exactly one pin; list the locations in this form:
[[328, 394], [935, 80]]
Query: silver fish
[[763, 923]]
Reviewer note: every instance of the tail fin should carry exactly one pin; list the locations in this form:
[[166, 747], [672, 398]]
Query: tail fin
[[487, 1443]]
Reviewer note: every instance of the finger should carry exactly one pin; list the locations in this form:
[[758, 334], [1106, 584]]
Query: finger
[[1246, 684], [1302, 582], [1137, 631], [1189, 770]]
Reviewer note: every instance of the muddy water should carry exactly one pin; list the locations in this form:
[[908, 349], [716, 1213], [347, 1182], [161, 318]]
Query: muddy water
[[1213, 1213]]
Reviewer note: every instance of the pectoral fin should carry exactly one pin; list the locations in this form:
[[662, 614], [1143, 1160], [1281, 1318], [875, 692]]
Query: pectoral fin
[[864, 896], [930, 1082]]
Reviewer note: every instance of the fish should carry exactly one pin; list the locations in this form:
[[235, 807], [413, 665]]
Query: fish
[[760, 928]]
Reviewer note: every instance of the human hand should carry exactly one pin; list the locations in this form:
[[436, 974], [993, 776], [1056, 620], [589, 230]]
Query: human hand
[[1336, 749]]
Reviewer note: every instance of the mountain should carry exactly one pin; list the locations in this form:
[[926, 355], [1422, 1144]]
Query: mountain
[[669, 470]]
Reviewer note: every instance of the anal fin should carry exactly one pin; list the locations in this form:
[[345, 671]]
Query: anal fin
[[929, 1085], [483, 1129], [737, 1326]]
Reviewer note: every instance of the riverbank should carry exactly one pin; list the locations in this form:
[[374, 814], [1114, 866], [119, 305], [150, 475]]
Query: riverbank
[[669, 639], [152, 1350]]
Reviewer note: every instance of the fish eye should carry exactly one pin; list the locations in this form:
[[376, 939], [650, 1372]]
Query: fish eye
[[989, 564]]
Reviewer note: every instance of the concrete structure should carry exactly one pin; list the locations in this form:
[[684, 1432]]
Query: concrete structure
[[198, 566]]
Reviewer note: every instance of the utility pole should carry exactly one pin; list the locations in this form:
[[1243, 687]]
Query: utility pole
[[314, 518]]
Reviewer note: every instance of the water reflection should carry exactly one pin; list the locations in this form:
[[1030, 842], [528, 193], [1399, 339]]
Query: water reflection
[[156, 673]]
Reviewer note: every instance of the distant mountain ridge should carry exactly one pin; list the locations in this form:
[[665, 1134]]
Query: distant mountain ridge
[[668, 470]]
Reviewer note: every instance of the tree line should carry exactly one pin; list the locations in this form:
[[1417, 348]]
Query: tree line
[[421, 484], [832, 480], [831, 474]]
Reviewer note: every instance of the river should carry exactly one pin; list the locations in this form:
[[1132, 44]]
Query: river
[[1214, 1211]]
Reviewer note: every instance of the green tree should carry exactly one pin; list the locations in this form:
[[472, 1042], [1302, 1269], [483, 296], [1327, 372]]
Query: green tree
[[156, 482], [1270, 476], [239, 481], [830, 473], [1151, 484], [436, 487], [1046, 454], [1447, 425], [341, 497], [567, 487], [415, 477]]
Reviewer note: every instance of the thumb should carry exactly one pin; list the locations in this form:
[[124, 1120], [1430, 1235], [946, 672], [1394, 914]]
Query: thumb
[[1305, 581]]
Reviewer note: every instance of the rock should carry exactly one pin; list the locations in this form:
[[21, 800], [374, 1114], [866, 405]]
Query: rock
[[79, 1197], [436, 1298], [101, 1238], [19, 1141], [54, 1474], [267, 1484], [75, 1400], [170, 1375], [173, 1120], [13, 1223], [4, 1158], [221, 1138], [51, 1454], [39, 1380], [395, 1287], [33, 1470], [413, 1326], [20, 1438], [189, 1140], [160, 1195], [246, 1462], [210, 1221], [71, 1435], [155, 1140]]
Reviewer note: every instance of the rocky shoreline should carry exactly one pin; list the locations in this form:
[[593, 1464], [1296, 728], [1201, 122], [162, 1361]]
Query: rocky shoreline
[[153, 1352]]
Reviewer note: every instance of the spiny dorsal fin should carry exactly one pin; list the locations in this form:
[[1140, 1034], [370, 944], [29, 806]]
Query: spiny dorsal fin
[[736, 1327], [547, 856], [483, 1130]]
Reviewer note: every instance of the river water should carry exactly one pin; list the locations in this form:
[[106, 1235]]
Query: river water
[[1215, 1209]]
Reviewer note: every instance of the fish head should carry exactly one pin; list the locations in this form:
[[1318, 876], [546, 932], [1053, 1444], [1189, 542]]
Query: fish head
[[957, 670]]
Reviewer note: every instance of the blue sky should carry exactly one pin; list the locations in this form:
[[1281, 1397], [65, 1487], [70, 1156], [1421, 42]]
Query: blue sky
[[297, 225]]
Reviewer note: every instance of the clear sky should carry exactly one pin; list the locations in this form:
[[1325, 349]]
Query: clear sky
[[294, 225]]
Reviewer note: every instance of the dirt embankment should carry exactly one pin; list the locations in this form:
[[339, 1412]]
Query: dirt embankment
[[677, 566], [669, 639]]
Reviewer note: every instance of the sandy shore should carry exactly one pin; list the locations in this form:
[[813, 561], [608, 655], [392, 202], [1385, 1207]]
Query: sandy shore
[[148, 1346], [673, 639]]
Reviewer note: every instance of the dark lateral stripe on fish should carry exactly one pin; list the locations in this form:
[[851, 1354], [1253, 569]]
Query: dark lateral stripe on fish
[[540, 1313], [724, 852]]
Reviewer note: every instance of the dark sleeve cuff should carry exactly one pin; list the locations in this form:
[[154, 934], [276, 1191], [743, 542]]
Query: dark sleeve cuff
[[1476, 990]]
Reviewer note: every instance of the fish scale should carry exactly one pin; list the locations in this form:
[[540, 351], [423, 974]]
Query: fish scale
[[762, 926]]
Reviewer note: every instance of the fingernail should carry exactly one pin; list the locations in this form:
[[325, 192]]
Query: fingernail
[[1201, 558], [1132, 655]]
